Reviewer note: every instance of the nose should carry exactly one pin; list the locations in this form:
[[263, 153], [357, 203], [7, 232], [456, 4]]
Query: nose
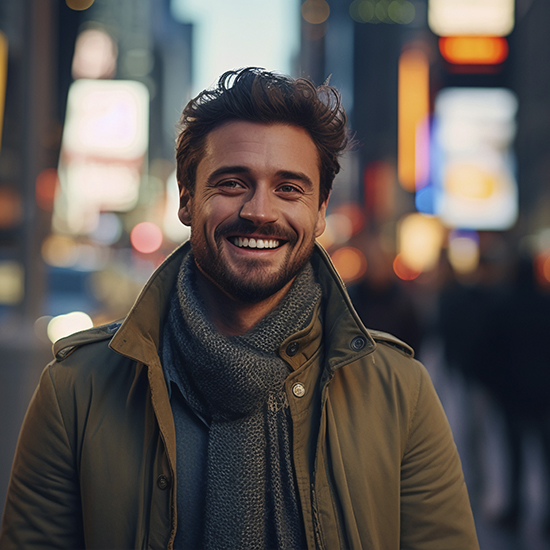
[[259, 208]]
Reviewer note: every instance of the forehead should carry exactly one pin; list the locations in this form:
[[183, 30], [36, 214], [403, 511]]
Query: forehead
[[260, 147]]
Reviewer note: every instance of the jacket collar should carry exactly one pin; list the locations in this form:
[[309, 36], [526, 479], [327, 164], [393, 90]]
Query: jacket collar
[[344, 335], [139, 335]]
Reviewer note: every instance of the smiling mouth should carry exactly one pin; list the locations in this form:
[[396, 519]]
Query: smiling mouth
[[245, 242]]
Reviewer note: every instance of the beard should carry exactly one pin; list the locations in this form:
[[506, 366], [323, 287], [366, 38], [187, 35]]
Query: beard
[[253, 282]]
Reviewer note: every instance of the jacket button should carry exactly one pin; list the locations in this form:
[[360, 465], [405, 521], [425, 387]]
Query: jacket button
[[163, 482], [292, 349], [358, 343], [113, 327], [299, 389]]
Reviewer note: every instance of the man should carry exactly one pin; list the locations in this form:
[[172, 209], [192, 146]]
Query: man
[[241, 403]]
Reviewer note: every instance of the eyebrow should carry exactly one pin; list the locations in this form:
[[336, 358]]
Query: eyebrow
[[283, 174], [224, 170]]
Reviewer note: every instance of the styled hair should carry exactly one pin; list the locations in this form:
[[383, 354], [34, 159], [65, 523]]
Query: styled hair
[[255, 95]]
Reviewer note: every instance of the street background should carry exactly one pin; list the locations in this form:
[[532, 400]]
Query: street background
[[439, 221]]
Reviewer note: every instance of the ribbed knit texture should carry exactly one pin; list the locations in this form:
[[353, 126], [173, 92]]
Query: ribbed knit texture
[[236, 383]]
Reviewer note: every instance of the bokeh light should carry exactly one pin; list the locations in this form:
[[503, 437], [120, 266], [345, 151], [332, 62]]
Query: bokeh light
[[59, 251], [354, 213], [463, 251], [350, 263], [542, 268], [467, 17], [315, 11], [3, 78], [79, 5], [64, 325], [11, 207], [146, 237], [12, 283], [337, 231], [46, 188], [420, 241], [95, 55], [404, 271], [413, 112], [473, 50], [401, 12], [108, 230]]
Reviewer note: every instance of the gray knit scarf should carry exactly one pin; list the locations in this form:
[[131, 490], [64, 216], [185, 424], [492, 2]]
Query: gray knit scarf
[[236, 383]]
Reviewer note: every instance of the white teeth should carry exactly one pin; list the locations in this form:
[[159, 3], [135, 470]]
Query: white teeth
[[254, 243]]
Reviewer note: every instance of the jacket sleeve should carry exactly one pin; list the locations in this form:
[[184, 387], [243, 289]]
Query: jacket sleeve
[[435, 508], [43, 503]]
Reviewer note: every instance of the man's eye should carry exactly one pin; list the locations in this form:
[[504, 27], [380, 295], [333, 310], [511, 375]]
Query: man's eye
[[231, 184], [289, 189]]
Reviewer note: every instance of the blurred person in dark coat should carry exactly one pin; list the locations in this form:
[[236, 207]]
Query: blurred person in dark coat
[[382, 302], [517, 374]]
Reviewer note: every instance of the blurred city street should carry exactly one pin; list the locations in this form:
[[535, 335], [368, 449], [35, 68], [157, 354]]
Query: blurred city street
[[479, 435]]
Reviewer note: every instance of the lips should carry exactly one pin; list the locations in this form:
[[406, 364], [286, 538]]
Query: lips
[[251, 242]]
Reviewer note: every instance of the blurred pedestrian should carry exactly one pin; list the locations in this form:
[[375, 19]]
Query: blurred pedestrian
[[518, 378], [382, 302]]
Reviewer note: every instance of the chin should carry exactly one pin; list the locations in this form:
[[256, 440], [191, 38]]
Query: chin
[[253, 292]]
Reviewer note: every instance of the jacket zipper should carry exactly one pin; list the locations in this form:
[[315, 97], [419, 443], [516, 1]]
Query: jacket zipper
[[316, 520], [315, 505], [319, 543]]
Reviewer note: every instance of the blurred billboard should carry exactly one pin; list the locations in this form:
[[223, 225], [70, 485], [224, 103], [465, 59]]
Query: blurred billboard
[[102, 154]]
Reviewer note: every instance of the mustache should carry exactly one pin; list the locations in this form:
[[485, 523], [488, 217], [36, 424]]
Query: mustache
[[240, 227]]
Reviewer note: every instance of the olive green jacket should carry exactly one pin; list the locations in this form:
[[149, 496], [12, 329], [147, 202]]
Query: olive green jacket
[[375, 462]]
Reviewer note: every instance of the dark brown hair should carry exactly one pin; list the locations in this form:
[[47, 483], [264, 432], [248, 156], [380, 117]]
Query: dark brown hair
[[257, 95]]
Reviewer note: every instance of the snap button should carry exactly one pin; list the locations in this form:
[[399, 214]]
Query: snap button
[[299, 389], [292, 349], [113, 327], [358, 343], [163, 482]]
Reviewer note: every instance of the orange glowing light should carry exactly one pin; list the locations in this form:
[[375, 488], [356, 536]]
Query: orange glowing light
[[79, 5], [315, 11], [403, 271], [3, 77], [413, 112], [11, 207], [542, 268], [146, 237], [46, 188], [350, 263], [474, 50], [546, 269]]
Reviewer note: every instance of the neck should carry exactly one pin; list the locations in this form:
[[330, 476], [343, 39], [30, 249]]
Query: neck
[[230, 316]]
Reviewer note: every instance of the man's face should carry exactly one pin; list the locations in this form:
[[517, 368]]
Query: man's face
[[255, 211]]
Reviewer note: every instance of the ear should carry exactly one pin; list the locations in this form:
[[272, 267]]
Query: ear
[[186, 205], [321, 223]]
